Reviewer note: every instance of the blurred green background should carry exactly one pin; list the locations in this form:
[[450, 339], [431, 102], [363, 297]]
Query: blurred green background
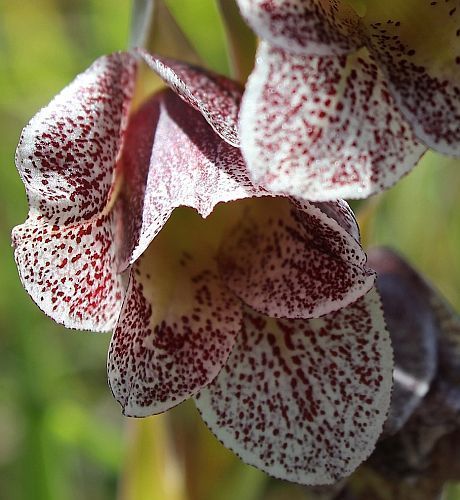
[[62, 435]]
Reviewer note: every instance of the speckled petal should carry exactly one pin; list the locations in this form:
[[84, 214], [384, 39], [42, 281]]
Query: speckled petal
[[178, 323], [411, 322], [291, 260], [173, 158], [216, 97], [418, 46], [67, 153], [302, 400], [70, 272], [142, 217], [323, 128], [316, 27], [67, 158]]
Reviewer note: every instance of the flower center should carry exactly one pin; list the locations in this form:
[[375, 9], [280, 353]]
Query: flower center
[[188, 243]]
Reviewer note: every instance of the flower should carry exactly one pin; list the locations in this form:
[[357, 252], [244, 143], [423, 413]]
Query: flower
[[341, 104], [146, 222]]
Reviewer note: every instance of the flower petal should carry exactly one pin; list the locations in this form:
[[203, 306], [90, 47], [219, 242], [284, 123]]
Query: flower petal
[[291, 260], [316, 27], [178, 323], [67, 153], [142, 216], [323, 128], [67, 157], [70, 272], [216, 97], [411, 322], [418, 46], [173, 158], [304, 400]]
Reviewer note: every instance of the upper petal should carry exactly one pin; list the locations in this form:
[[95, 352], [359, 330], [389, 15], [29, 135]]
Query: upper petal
[[323, 128], [68, 152], [304, 400], [304, 26], [173, 158], [418, 46], [292, 260], [178, 323], [216, 97]]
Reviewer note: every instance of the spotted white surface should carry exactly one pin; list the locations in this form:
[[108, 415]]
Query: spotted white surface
[[291, 260], [304, 400], [179, 321], [216, 97], [67, 158], [344, 103], [420, 55], [323, 128], [315, 27], [67, 153], [340, 211], [71, 271]]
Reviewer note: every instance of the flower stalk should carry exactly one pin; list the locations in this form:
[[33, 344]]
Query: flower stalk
[[151, 468]]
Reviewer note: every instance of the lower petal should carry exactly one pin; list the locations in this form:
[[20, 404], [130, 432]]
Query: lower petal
[[178, 323], [71, 272], [323, 128], [304, 401]]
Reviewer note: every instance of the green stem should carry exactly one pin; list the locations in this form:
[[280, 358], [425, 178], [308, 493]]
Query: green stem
[[151, 469]]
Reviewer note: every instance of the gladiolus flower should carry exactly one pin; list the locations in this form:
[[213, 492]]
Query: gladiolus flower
[[146, 222], [346, 96]]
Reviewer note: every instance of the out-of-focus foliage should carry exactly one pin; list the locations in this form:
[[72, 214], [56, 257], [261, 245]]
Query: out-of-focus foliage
[[420, 217], [201, 22], [61, 434]]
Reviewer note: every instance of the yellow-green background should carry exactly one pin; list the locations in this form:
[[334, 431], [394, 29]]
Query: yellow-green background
[[62, 436]]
